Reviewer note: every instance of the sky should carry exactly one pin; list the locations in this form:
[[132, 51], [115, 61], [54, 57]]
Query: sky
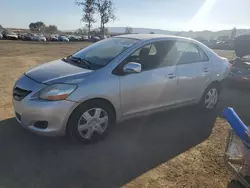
[[175, 15]]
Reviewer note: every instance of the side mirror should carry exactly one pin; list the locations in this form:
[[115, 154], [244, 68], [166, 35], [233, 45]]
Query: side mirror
[[132, 68]]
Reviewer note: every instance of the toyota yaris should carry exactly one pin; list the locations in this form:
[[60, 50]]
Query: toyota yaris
[[83, 94]]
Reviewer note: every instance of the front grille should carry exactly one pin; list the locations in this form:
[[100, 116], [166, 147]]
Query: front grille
[[19, 94]]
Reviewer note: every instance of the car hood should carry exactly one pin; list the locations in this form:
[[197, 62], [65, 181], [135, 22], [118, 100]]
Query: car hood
[[242, 45], [57, 71]]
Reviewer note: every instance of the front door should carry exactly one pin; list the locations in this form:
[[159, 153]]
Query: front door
[[153, 87]]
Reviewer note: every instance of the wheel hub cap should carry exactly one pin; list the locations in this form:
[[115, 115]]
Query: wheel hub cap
[[91, 121]]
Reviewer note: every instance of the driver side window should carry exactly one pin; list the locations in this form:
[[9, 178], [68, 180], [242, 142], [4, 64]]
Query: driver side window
[[145, 56], [150, 47], [152, 55]]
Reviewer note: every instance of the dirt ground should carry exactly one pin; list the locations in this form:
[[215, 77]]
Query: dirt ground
[[200, 166]]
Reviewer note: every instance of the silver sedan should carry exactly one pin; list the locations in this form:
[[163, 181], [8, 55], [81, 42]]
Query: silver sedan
[[118, 78]]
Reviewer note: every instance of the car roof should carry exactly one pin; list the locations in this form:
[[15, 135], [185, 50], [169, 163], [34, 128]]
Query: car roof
[[149, 36]]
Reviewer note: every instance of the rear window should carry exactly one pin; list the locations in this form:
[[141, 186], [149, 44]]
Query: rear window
[[189, 53]]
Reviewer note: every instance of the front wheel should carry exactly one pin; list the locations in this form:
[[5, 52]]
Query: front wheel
[[90, 122], [210, 97]]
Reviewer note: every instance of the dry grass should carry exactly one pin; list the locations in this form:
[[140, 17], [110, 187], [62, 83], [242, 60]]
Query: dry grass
[[199, 167], [18, 57]]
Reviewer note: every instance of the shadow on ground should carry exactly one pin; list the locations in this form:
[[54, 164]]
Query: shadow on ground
[[131, 149]]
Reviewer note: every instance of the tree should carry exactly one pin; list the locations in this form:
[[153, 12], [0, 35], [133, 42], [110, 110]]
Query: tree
[[1, 27], [82, 32], [98, 32], [151, 32], [32, 27], [128, 30], [105, 8], [51, 29], [106, 31], [89, 11], [37, 27], [95, 32]]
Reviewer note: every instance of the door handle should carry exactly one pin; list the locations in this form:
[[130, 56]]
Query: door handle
[[171, 76], [206, 69]]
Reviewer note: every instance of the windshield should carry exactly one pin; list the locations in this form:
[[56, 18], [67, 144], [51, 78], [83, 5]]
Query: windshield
[[103, 52]]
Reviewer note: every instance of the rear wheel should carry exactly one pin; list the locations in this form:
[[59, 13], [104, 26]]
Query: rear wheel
[[210, 97], [90, 122]]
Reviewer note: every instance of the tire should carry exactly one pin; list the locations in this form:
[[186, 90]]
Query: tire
[[90, 122], [214, 91]]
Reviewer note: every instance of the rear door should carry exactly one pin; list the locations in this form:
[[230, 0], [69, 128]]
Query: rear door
[[193, 70]]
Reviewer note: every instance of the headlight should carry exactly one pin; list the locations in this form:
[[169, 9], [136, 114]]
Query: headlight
[[57, 92]]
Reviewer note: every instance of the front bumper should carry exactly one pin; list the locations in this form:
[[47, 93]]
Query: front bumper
[[29, 111], [55, 113]]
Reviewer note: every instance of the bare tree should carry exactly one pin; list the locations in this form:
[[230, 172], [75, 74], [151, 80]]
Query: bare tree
[[89, 11], [105, 9], [128, 30]]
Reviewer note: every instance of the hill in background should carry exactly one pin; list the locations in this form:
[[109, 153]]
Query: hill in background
[[193, 34], [204, 34]]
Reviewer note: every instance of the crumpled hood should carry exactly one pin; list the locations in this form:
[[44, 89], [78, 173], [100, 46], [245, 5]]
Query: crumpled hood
[[242, 45], [57, 71]]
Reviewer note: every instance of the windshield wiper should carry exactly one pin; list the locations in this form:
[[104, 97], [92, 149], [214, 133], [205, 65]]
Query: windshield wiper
[[75, 59], [80, 61]]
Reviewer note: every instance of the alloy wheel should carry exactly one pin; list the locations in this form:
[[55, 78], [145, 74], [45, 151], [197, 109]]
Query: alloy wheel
[[211, 98]]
